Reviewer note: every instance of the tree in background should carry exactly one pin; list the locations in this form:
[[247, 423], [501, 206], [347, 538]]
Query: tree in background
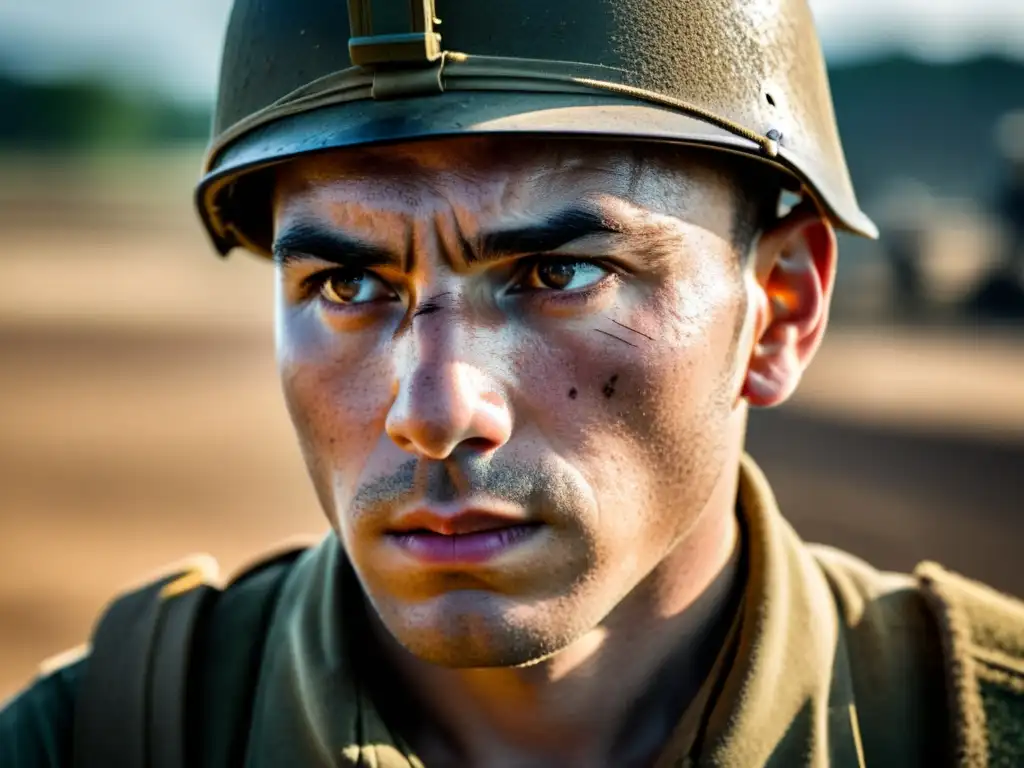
[[89, 114]]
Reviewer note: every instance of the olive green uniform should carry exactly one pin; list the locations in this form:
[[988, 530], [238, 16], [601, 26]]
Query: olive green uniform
[[835, 664]]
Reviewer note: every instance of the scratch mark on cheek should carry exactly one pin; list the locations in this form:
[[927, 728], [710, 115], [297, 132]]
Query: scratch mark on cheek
[[609, 386], [634, 330], [617, 338]]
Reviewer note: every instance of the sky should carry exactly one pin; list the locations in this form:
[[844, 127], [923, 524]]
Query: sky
[[173, 45]]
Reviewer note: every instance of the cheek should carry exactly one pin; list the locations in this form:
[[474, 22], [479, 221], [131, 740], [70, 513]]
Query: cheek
[[684, 392], [642, 398], [688, 364], [647, 361], [334, 393]]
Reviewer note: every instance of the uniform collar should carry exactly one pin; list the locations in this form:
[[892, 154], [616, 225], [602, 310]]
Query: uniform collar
[[786, 701], [311, 709]]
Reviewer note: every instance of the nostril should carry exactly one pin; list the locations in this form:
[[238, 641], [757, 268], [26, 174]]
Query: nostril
[[402, 442], [480, 444]]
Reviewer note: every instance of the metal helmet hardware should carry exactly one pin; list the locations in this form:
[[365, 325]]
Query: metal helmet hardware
[[303, 76]]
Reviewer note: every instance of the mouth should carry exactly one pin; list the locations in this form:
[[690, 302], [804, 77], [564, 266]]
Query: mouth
[[471, 536]]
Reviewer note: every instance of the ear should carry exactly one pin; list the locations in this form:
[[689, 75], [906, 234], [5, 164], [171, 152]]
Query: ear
[[794, 272]]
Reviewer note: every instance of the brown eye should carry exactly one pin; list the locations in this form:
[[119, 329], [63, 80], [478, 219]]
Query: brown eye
[[556, 274], [564, 274], [353, 287]]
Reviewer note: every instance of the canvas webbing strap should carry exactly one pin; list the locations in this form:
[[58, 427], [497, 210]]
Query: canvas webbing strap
[[140, 645], [173, 666]]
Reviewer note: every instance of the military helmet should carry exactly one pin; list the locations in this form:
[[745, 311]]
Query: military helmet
[[304, 76]]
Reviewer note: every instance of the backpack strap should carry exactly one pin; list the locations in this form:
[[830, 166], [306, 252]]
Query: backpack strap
[[115, 711], [140, 699], [170, 661], [229, 657], [983, 642]]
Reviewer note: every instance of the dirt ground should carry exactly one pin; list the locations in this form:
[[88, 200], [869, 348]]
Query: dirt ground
[[141, 421]]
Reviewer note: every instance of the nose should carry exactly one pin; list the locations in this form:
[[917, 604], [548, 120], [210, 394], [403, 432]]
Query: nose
[[443, 405]]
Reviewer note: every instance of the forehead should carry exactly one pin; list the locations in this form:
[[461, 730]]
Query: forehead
[[499, 174]]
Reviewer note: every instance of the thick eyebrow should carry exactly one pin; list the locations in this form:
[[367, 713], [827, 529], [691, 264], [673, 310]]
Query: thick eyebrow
[[555, 230], [303, 239]]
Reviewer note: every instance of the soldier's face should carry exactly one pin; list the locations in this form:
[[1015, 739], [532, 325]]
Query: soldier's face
[[513, 370]]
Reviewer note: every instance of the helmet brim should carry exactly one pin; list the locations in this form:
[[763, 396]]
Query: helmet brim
[[477, 113]]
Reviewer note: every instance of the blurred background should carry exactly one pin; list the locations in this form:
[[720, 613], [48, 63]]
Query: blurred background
[[141, 419]]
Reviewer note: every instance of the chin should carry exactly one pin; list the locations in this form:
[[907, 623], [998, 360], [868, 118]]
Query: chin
[[473, 629]]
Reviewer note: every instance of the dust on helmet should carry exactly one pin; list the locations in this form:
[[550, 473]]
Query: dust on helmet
[[304, 76]]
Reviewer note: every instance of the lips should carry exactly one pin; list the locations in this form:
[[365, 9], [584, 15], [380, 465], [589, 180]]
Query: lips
[[458, 523], [467, 536]]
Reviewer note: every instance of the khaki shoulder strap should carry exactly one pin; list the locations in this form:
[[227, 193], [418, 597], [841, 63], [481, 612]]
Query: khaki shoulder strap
[[983, 644], [141, 646], [131, 710]]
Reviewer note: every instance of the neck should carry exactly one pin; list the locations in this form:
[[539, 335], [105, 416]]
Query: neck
[[611, 698]]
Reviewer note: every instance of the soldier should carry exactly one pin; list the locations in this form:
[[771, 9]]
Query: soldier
[[532, 272]]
